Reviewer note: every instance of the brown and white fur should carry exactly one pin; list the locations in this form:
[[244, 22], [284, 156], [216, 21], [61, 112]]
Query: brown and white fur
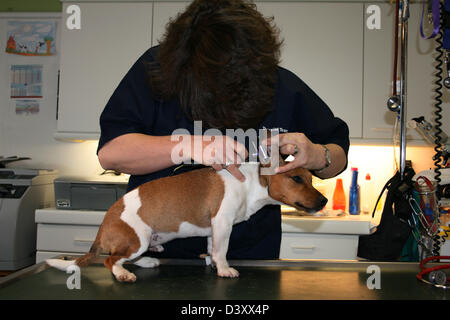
[[202, 202]]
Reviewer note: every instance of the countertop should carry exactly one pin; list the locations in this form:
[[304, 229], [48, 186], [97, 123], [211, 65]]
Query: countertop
[[346, 224]]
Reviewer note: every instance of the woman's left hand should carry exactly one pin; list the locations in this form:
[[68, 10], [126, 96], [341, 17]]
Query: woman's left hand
[[306, 154]]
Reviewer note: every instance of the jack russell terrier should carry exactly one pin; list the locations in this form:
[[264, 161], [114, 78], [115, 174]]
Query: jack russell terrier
[[202, 202]]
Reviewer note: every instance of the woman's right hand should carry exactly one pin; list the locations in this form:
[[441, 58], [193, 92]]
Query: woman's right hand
[[219, 152]]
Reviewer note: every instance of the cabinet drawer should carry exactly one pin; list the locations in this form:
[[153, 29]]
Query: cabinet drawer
[[318, 246], [69, 238], [44, 255]]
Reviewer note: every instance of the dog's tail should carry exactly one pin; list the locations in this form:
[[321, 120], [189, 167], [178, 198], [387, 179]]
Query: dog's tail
[[81, 261]]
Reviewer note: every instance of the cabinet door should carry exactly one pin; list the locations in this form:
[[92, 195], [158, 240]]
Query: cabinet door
[[378, 68], [326, 53], [323, 45], [378, 121], [95, 58]]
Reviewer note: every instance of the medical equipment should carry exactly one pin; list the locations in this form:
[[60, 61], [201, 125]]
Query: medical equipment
[[436, 276], [393, 231], [426, 216], [397, 102]]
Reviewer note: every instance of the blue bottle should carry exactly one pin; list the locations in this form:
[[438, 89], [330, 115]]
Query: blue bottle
[[354, 195]]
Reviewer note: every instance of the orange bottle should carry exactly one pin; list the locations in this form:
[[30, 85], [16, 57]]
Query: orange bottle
[[339, 196]]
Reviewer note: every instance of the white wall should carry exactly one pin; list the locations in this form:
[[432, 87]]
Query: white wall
[[379, 162], [32, 135]]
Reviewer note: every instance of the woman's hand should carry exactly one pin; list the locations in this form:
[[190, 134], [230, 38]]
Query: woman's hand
[[310, 156], [219, 152], [306, 154]]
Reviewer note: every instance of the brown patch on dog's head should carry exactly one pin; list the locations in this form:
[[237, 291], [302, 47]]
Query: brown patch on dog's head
[[294, 188]]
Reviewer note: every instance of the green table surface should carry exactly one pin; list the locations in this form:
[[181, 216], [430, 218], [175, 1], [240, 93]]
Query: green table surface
[[259, 280]]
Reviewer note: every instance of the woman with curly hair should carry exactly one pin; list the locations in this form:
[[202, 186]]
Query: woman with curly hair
[[218, 62]]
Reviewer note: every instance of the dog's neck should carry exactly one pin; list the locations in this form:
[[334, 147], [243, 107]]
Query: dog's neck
[[256, 187]]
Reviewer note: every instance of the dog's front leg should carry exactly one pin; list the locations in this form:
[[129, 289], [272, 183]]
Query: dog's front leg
[[221, 231]]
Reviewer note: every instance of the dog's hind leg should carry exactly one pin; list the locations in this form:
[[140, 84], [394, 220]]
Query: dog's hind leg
[[125, 244], [131, 240], [122, 254], [114, 263]]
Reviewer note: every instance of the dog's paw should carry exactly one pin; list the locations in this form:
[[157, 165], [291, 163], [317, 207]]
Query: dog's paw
[[126, 277], [147, 262], [227, 272], [157, 248]]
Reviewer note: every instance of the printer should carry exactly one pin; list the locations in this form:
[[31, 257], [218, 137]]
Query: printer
[[89, 193], [22, 191]]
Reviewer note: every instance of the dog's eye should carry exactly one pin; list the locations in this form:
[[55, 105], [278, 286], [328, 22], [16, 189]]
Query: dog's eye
[[297, 179]]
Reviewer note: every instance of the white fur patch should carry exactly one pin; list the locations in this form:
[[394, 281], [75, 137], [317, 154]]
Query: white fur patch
[[147, 262], [132, 203], [185, 230], [60, 264], [241, 200]]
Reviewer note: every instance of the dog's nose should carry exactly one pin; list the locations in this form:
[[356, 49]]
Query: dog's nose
[[322, 201]]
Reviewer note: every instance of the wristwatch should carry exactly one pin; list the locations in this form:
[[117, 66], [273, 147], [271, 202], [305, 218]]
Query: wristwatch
[[327, 160]]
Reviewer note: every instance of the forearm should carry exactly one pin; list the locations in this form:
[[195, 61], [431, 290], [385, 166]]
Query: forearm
[[137, 154], [338, 161]]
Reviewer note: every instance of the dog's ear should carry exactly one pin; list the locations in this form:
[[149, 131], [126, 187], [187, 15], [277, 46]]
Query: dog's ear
[[267, 169]]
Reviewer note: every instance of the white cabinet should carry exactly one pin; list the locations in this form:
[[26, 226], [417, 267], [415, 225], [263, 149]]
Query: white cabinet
[[327, 44], [319, 246], [324, 237], [378, 121], [95, 58], [65, 231], [323, 45], [328, 57], [73, 232]]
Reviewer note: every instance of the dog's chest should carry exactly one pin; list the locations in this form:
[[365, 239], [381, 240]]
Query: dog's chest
[[242, 199]]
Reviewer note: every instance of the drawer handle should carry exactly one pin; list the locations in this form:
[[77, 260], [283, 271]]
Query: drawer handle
[[83, 241], [299, 247]]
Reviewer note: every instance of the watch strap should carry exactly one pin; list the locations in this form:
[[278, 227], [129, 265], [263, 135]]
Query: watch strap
[[327, 160]]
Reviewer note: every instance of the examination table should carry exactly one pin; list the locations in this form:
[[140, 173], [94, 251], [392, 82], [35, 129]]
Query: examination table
[[259, 280]]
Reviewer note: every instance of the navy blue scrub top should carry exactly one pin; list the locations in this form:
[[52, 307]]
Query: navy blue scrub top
[[296, 108]]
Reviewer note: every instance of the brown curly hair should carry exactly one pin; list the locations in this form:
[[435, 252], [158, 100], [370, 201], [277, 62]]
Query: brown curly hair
[[219, 58]]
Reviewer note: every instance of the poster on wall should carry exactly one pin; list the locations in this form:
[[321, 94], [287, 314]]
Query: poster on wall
[[26, 81], [27, 107], [31, 38]]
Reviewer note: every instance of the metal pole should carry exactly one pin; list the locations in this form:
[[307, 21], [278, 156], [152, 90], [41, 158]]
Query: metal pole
[[403, 84]]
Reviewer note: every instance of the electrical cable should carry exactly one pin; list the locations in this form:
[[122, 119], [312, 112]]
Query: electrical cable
[[438, 116], [436, 276], [438, 123]]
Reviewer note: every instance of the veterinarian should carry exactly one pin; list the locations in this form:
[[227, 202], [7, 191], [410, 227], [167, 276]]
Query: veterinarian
[[218, 63]]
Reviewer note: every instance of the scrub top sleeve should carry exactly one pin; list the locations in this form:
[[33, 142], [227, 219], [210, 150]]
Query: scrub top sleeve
[[131, 107], [314, 118]]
